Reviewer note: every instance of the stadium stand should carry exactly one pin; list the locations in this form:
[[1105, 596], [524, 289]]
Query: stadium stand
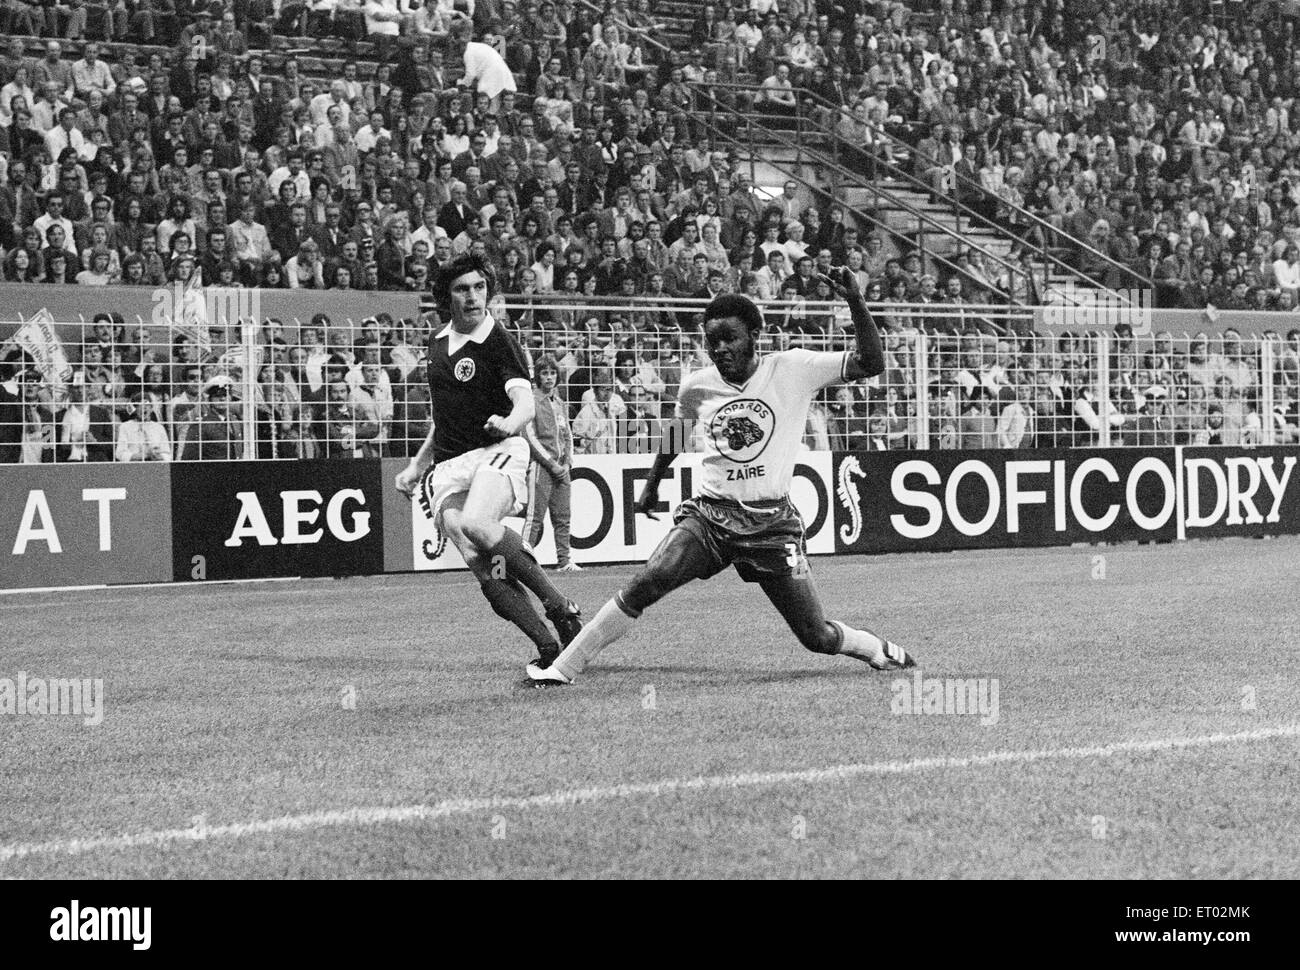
[[966, 160]]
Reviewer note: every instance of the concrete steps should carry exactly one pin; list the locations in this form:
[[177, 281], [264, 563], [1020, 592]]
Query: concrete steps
[[771, 161]]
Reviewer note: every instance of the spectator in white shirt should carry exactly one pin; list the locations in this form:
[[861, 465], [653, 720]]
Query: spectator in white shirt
[[45, 112], [544, 268], [383, 18], [335, 97], [92, 74], [429, 21], [1286, 271], [75, 427], [66, 135], [54, 203], [487, 71], [748, 34], [429, 230], [368, 136], [777, 93], [595, 429], [770, 276], [795, 248], [141, 437], [18, 87], [376, 385], [291, 171]]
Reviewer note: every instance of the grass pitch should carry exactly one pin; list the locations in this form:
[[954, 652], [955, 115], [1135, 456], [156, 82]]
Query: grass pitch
[[228, 728]]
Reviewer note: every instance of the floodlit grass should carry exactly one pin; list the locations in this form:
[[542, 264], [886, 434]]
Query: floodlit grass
[[227, 702]]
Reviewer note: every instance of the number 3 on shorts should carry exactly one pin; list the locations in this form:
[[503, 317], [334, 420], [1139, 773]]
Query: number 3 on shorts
[[796, 560]]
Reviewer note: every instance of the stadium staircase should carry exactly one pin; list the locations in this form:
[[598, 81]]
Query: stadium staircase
[[898, 206]]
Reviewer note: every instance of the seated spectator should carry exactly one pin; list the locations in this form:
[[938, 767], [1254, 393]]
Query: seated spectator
[[99, 272], [776, 95], [305, 270]]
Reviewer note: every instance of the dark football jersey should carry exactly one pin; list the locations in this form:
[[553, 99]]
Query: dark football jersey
[[470, 376]]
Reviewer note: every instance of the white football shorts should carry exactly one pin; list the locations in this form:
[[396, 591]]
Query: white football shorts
[[509, 457]]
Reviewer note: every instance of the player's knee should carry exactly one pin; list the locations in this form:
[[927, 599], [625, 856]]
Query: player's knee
[[646, 588], [818, 637], [479, 533]]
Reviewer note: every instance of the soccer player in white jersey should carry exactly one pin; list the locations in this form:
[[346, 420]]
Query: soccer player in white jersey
[[753, 410], [472, 469]]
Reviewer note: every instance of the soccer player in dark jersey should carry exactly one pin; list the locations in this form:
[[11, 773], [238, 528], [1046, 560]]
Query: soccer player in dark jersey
[[753, 411], [471, 471]]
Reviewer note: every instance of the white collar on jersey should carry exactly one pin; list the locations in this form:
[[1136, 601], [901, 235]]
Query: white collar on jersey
[[457, 340]]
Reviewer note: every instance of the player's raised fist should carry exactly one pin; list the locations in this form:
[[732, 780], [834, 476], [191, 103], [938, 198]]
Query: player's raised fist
[[843, 282], [497, 426]]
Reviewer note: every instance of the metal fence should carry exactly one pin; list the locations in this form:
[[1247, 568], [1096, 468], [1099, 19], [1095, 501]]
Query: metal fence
[[956, 377]]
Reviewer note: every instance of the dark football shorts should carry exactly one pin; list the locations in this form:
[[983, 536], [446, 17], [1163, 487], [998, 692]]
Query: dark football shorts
[[761, 539]]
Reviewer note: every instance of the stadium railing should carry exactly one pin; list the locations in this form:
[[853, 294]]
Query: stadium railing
[[1055, 246], [738, 123], [965, 376]]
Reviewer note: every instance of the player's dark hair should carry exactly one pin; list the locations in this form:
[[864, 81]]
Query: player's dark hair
[[735, 305], [455, 268]]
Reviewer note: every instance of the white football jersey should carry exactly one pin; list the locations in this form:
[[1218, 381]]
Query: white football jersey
[[751, 434]]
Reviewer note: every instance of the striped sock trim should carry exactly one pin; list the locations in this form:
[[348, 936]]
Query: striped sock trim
[[838, 627], [627, 610]]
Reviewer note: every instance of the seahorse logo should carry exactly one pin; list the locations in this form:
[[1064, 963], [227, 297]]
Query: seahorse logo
[[846, 490], [432, 551]]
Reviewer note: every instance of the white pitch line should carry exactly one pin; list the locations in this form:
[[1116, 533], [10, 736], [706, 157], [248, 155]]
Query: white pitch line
[[215, 588], [586, 796]]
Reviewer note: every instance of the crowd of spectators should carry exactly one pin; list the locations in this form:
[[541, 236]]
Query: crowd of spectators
[[564, 142], [1157, 142], [1009, 392], [326, 391], [1160, 134]]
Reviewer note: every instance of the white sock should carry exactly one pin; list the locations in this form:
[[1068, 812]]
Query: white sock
[[861, 644], [609, 624]]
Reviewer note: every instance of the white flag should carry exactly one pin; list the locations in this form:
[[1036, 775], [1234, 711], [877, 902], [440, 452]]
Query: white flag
[[40, 340]]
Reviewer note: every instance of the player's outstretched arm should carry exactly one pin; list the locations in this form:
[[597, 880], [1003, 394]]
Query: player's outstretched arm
[[408, 477], [671, 441], [869, 360], [645, 505]]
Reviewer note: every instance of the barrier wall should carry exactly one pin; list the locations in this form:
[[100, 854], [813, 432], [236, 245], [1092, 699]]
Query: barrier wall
[[235, 520], [84, 525], [112, 524], [603, 528], [899, 501]]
